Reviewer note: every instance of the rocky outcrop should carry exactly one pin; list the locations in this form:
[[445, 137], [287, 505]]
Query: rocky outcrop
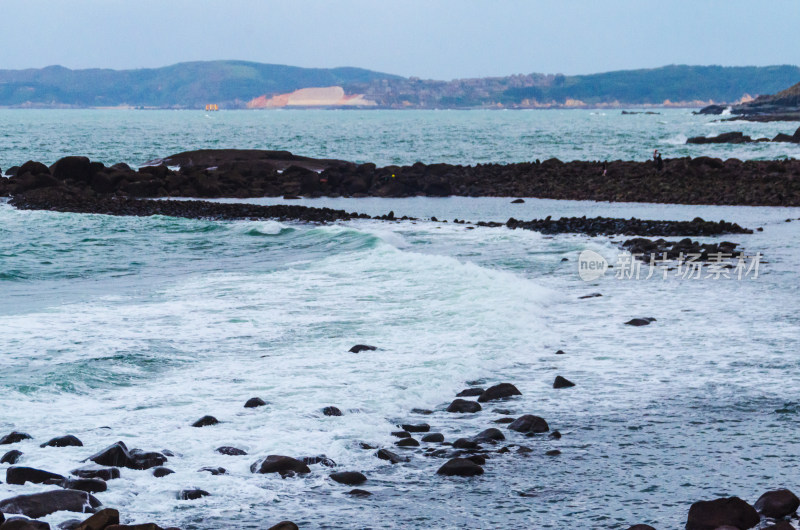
[[41, 504], [235, 173], [741, 138], [731, 511]]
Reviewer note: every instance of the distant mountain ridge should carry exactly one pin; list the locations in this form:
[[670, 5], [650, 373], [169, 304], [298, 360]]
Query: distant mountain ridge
[[234, 84]]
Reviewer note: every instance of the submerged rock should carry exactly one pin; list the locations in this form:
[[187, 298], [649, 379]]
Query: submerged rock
[[529, 423], [464, 406], [562, 382], [501, 391], [91, 485], [639, 321], [14, 437], [192, 494], [394, 458], [358, 348], [254, 402], [279, 464], [11, 457], [230, 451], [160, 471], [420, 427], [460, 467], [470, 392], [103, 473], [349, 478], [63, 441], [331, 411], [489, 435], [205, 421]]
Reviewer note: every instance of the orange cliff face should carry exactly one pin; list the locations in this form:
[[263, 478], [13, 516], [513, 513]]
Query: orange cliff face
[[332, 96]]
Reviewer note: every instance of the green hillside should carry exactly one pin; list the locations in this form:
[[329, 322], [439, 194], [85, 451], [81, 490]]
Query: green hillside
[[231, 84]]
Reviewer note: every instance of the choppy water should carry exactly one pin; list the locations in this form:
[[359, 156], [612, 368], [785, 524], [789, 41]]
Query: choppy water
[[131, 328], [383, 137]]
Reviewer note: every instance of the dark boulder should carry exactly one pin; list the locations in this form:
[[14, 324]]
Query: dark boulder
[[205, 421], [230, 451], [34, 168], [192, 494], [434, 437], [331, 411], [777, 504], [463, 406], [103, 473], [90, 485], [714, 110], [562, 382], [20, 523], [63, 441], [421, 427], [101, 520], [21, 475], [349, 478], [529, 423], [254, 402], [407, 442], [731, 511], [41, 504], [641, 527], [76, 168], [501, 391], [517, 201], [359, 493], [279, 464], [11, 457], [401, 434], [161, 471], [489, 435], [358, 348], [639, 322], [470, 392], [465, 443], [284, 525], [14, 437], [460, 467], [117, 455], [385, 454], [724, 138]]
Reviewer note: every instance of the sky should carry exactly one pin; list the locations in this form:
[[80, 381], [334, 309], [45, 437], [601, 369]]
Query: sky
[[433, 39]]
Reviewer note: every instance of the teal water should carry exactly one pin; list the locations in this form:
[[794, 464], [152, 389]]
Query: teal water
[[383, 137], [130, 329]]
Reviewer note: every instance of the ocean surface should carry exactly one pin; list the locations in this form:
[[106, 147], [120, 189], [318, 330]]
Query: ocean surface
[[116, 328], [382, 137]]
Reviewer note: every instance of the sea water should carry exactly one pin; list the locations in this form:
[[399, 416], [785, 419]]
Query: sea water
[[123, 328]]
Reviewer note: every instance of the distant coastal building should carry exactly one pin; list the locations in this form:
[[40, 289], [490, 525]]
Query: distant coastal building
[[212, 107]]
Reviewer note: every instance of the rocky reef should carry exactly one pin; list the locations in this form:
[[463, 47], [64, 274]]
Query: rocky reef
[[241, 174]]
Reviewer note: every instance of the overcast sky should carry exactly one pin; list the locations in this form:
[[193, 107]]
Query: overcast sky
[[441, 39]]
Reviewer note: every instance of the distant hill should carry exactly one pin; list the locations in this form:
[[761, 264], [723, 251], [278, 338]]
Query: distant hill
[[235, 84], [183, 85]]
